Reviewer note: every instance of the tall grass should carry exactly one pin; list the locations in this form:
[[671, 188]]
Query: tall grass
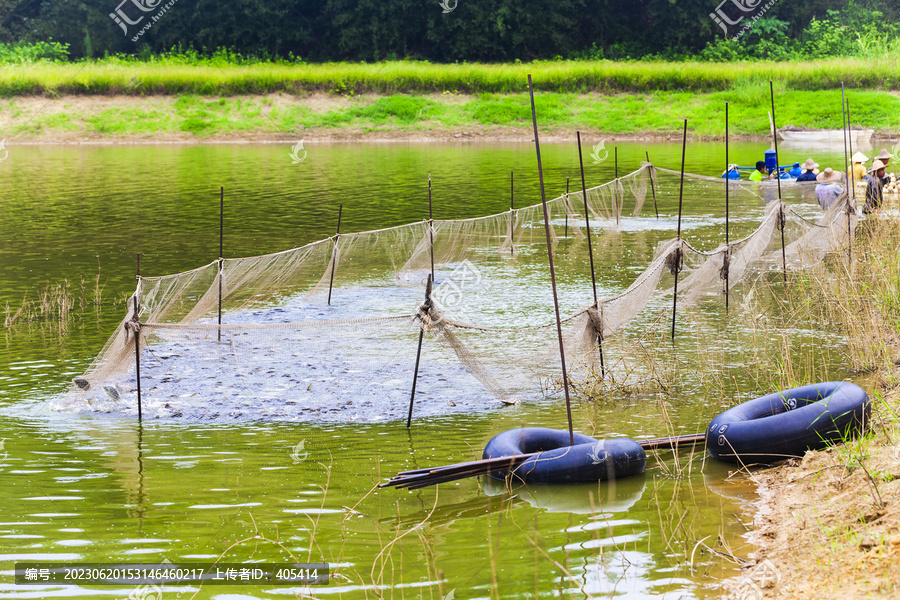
[[121, 77]]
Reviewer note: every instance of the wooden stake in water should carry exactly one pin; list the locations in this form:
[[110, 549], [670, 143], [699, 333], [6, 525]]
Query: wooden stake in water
[[727, 186], [616, 185], [221, 251], [136, 331], [431, 226], [678, 250], [849, 171], [562, 354], [778, 179], [587, 224], [850, 145], [652, 187], [137, 337], [847, 164], [512, 214], [337, 235], [566, 208], [425, 308]]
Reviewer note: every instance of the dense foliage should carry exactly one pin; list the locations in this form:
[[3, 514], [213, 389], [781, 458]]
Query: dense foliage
[[474, 30]]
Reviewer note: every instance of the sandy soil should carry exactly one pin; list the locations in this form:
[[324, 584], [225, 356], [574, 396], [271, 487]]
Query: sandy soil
[[25, 108], [829, 525]]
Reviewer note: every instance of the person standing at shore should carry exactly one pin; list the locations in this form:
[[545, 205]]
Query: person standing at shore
[[829, 189]]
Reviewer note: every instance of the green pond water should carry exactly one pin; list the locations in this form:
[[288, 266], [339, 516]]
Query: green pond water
[[97, 488]]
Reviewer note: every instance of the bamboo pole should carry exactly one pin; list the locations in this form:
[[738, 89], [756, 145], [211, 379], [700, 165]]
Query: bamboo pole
[[337, 234], [512, 214], [587, 223], [727, 189], [425, 308], [562, 354], [652, 187], [778, 179], [431, 227], [849, 170], [137, 338], [678, 249], [852, 193], [221, 252], [566, 208], [419, 478], [616, 185]]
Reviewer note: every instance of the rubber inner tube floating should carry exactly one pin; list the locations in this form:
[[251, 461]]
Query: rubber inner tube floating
[[788, 423], [558, 462]]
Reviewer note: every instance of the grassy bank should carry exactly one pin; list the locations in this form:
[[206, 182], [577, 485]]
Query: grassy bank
[[115, 76], [328, 116]]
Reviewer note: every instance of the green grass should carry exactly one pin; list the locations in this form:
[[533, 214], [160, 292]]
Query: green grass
[[118, 77], [659, 112]]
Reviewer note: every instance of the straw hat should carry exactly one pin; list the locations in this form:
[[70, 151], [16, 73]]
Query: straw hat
[[810, 164], [859, 157], [829, 175], [876, 165], [884, 154]]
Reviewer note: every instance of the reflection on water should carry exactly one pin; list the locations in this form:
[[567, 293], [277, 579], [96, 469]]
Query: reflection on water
[[103, 488]]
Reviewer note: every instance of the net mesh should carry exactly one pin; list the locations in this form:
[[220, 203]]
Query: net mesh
[[488, 332]]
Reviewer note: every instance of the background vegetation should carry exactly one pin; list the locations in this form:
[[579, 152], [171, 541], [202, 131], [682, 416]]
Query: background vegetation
[[475, 30]]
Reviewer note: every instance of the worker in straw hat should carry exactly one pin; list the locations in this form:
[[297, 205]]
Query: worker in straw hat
[[875, 187], [857, 170], [829, 189], [808, 167], [885, 157]]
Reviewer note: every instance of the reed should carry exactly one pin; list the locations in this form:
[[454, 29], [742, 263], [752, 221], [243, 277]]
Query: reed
[[57, 304]]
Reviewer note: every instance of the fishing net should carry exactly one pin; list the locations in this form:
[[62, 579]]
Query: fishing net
[[334, 326]]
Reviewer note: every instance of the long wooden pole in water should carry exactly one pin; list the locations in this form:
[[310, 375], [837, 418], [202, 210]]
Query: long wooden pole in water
[[221, 252], [616, 184], [137, 337], [652, 187], [727, 186], [419, 478], [562, 353], [778, 179], [512, 214], [431, 227], [848, 143], [337, 234], [412, 395], [678, 249], [566, 208], [587, 225]]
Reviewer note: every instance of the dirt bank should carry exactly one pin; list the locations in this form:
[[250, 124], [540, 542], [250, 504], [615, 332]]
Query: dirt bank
[[829, 525]]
